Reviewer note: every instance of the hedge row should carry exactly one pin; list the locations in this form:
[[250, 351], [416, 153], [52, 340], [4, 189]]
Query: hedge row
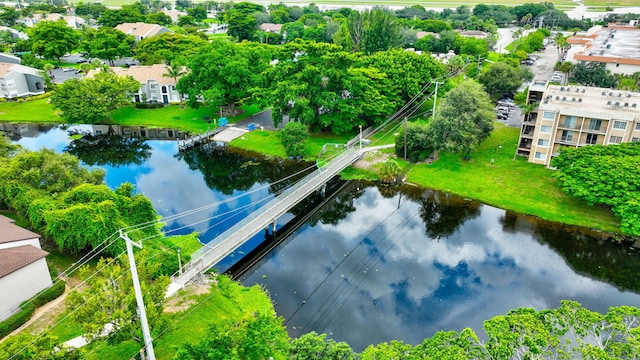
[[27, 308]]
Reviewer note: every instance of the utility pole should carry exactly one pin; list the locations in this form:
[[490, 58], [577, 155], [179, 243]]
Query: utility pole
[[435, 100], [179, 262], [148, 343], [405, 137]]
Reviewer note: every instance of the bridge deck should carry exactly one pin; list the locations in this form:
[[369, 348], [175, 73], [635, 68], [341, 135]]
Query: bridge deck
[[225, 243]]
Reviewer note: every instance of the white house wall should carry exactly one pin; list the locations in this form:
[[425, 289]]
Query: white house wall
[[33, 242], [21, 285]]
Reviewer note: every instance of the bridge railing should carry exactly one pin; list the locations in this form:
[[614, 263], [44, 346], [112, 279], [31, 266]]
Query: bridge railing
[[267, 207]]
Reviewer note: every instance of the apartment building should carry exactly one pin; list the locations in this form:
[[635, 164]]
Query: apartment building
[[576, 116]]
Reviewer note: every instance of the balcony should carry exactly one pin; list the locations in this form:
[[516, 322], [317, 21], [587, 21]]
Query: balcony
[[569, 126], [601, 130], [566, 140]]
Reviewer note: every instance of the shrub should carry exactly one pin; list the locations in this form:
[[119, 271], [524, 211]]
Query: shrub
[[293, 137]]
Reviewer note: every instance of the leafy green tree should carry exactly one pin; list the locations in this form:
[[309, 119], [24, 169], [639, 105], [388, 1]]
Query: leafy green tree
[[168, 48], [257, 336], [159, 18], [402, 67], [241, 25], [109, 298], [592, 74], [293, 137], [293, 30], [223, 74], [90, 9], [53, 39], [91, 100], [107, 44], [607, 175], [392, 350], [465, 119], [115, 17], [24, 346], [8, 15], [500, 79], [199, 13], [380, 31], [343, 38], [320, 86], [312, 346]]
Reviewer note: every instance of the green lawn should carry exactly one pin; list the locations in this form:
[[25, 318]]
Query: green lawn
[[493, 177], [268, 143], [173, 116]]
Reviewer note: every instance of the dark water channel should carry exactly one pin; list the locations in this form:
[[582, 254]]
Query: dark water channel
[[374, 263]]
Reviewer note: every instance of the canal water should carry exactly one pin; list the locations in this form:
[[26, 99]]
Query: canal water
[[375, 263]]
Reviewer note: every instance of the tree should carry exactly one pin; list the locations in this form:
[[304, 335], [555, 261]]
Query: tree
[[223, 74], [126, 14], [91, 100], [607, 175], [380, 31], [241, 25], [109, 298], [257, 336], [464, 119], [174, 71], [322, 87], [293, 137], [500, 79], [53, 39], [109, 149], [592, 74], [107, 44], [8, 15], [313, 346], [199, 13], [168, 48], [24, 346]]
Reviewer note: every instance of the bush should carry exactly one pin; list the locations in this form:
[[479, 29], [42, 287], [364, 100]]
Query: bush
[[27, 308], [38, 97], [148, 105], [293, 137], [16, 320]]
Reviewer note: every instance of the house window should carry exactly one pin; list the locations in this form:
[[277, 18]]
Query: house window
[[11, 83], [570, 121], [620, 125], [595, 124], [635, 139], [638, 126], [545, 129], [152, 86], [539, 155], [567, 135], [615, 139], [549, 115], [164, 89], [543, 142], [592, 139]]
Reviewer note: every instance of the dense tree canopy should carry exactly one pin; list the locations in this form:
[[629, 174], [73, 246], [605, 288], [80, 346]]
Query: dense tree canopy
[[500, 79], [223, 74], [168, 48], [107, 44], [607, 175], [53, 39], [464, 119], [592, 74], [92, 100], [321, 86]]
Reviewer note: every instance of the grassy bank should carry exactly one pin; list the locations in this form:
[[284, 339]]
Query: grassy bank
[[173, 116], [493, 177]]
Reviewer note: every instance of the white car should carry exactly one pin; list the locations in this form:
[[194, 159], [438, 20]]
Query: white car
[[556, 78]]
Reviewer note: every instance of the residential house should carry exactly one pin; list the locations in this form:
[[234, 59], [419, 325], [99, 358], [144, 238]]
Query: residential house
[[19, 35], [10, 59], [142, 30], [23, 268], [72, 21], [19, 81], [271, 27], [155, 86], [574, 116]]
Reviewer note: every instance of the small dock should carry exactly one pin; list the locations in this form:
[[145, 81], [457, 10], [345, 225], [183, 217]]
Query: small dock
[[199, 139]]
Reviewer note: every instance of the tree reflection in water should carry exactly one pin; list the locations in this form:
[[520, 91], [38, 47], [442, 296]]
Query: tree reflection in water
[[108, 149]]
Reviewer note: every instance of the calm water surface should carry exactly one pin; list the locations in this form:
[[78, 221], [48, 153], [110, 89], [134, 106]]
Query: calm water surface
[[380, 263]]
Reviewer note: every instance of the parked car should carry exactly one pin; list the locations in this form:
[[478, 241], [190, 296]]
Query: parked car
[[501, 116], [67, 69], [502, 109], [527, 62], [556, 78]]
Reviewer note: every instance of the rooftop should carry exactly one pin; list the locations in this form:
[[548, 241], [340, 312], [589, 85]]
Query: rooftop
[[10, 232], [612, 44], [592, 102], [16, 258]]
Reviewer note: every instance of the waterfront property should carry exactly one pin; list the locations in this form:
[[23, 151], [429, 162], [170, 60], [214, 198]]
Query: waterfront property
[[576, 116], [23, 268]]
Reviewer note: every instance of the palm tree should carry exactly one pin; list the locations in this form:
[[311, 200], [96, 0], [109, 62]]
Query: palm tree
[[48, 74], [174, 72]]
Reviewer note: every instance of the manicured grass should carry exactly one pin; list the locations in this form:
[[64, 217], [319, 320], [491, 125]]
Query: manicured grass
[[227, 301], [173, 116], [37, 111], [268, 143], [493, 177], [615, 3]]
